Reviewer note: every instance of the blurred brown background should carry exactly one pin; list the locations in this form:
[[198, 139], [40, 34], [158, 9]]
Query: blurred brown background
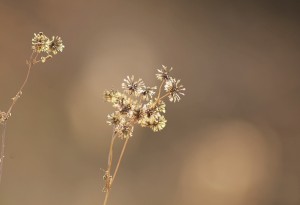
[[233, 140]]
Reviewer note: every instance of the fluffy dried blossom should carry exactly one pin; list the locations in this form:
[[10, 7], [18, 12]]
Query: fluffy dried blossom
[[131, 86], [137, 113], [175, 89], [163, 74], [111, 96], [114, 119], [124, 130], [137, 106], [40, 42], [160, 106], [158, 123], [148, 92], [55, 45]]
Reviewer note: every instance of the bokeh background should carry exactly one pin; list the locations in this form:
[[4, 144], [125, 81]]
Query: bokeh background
[[233, 140]]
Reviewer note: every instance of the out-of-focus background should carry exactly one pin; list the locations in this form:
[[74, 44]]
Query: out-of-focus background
[[234, 139]]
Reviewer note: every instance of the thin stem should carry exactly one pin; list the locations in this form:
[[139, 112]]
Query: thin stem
[[109, 163], [110, 155], [167, 94], [2, 150], [159, 91], [120, 159], [116, 170], [106, 197], [30, 63], [15, 99]]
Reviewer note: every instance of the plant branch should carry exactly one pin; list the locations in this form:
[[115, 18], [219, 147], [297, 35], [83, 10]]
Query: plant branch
[[2, 149], [160, 87], [29, 63], [120, 159]]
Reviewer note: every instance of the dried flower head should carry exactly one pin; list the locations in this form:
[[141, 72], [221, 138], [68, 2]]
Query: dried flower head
[[160, 106], [157, 122], [55, 45], [148, 92], [163, 74], [175, 89], [114, 119], [2, 117], [131, 86], [137, 114], [136, 106], [124, 130], [40, 42], [111, 96]]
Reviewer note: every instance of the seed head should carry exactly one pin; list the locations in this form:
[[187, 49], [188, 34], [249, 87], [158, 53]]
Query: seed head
[[158, 123], [174, 89], [124, 130], [114, 119], [55, 45], [148, 92], [40, 43], [163, 74], [133, 87]]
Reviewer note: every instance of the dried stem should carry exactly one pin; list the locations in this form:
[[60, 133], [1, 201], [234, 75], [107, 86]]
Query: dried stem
[[109, 163], [117, 166], [131, 110], [2, 149], [106, 197], [120, 159], [160, 87], [167, 94], [29, 63]]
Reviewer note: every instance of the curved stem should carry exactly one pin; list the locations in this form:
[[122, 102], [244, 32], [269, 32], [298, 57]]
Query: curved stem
[[30, 63], [15, 99]]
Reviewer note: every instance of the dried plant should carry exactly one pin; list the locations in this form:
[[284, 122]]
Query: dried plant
[[43, 49], [137, 106]]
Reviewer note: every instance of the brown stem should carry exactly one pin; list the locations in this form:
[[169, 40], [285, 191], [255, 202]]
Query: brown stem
[[159, 91], [106, 197], [116, 170], [120, 159], [30, 63], [109, 163], [110, 155], [167, 94], [2, 149]]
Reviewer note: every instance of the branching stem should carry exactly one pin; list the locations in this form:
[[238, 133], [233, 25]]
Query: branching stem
[[29, 63]]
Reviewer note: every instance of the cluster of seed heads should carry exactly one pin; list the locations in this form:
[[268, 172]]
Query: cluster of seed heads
[[42, 44], [137, 104]]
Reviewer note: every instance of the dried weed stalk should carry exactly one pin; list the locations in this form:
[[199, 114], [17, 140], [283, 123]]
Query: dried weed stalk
[[137, 106], [43, 49]]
